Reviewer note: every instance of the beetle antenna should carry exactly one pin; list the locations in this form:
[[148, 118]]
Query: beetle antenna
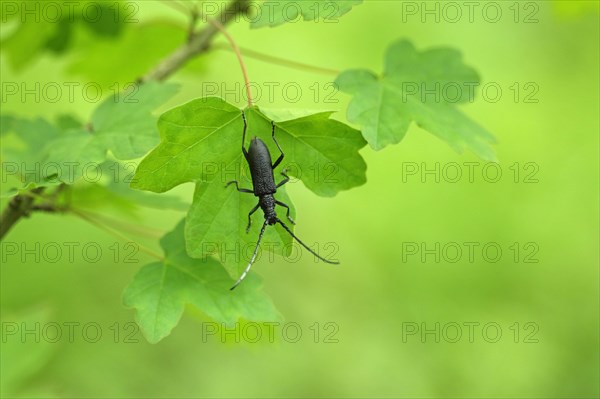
[[243, 276], [333, 262]]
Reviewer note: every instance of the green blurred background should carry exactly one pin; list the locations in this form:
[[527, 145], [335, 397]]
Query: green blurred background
[[376, 293]]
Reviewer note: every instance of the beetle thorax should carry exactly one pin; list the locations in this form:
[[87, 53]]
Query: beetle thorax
[[267, 204]]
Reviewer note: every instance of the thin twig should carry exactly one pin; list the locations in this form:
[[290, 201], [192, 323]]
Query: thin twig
[[115, 233], [277, 60], [188, 12], [238, 54], [145, 231]]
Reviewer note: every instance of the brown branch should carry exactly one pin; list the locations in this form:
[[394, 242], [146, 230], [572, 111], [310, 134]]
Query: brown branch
[[18, 207], [198, 43], [23, 204]]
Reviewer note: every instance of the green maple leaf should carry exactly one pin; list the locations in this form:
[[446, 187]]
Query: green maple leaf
[[160, 291], [200, 142], [274, 13], [25, 160], [122, 124], [195, 139], [416, 86], [33, 135]]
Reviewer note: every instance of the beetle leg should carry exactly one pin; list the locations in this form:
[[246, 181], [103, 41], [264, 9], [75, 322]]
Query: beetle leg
[[278, 161], [288, 211], [241, 190], [287, 179], [250, 218], [244, 136]]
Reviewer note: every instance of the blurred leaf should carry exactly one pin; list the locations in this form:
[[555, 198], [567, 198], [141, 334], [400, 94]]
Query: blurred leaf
[[27, 42], [90, 196], [149, 42], [68, 122], [384, 106], [6, 123], [74, 153], [55, 33], [122, 124], [274, 13], [109, 19], [160, 291], [26, 159], [118, 185], [108, 187], [61, 39], [20, 157]]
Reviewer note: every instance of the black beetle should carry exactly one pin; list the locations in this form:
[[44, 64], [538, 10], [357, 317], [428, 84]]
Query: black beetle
[[263, 183]]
